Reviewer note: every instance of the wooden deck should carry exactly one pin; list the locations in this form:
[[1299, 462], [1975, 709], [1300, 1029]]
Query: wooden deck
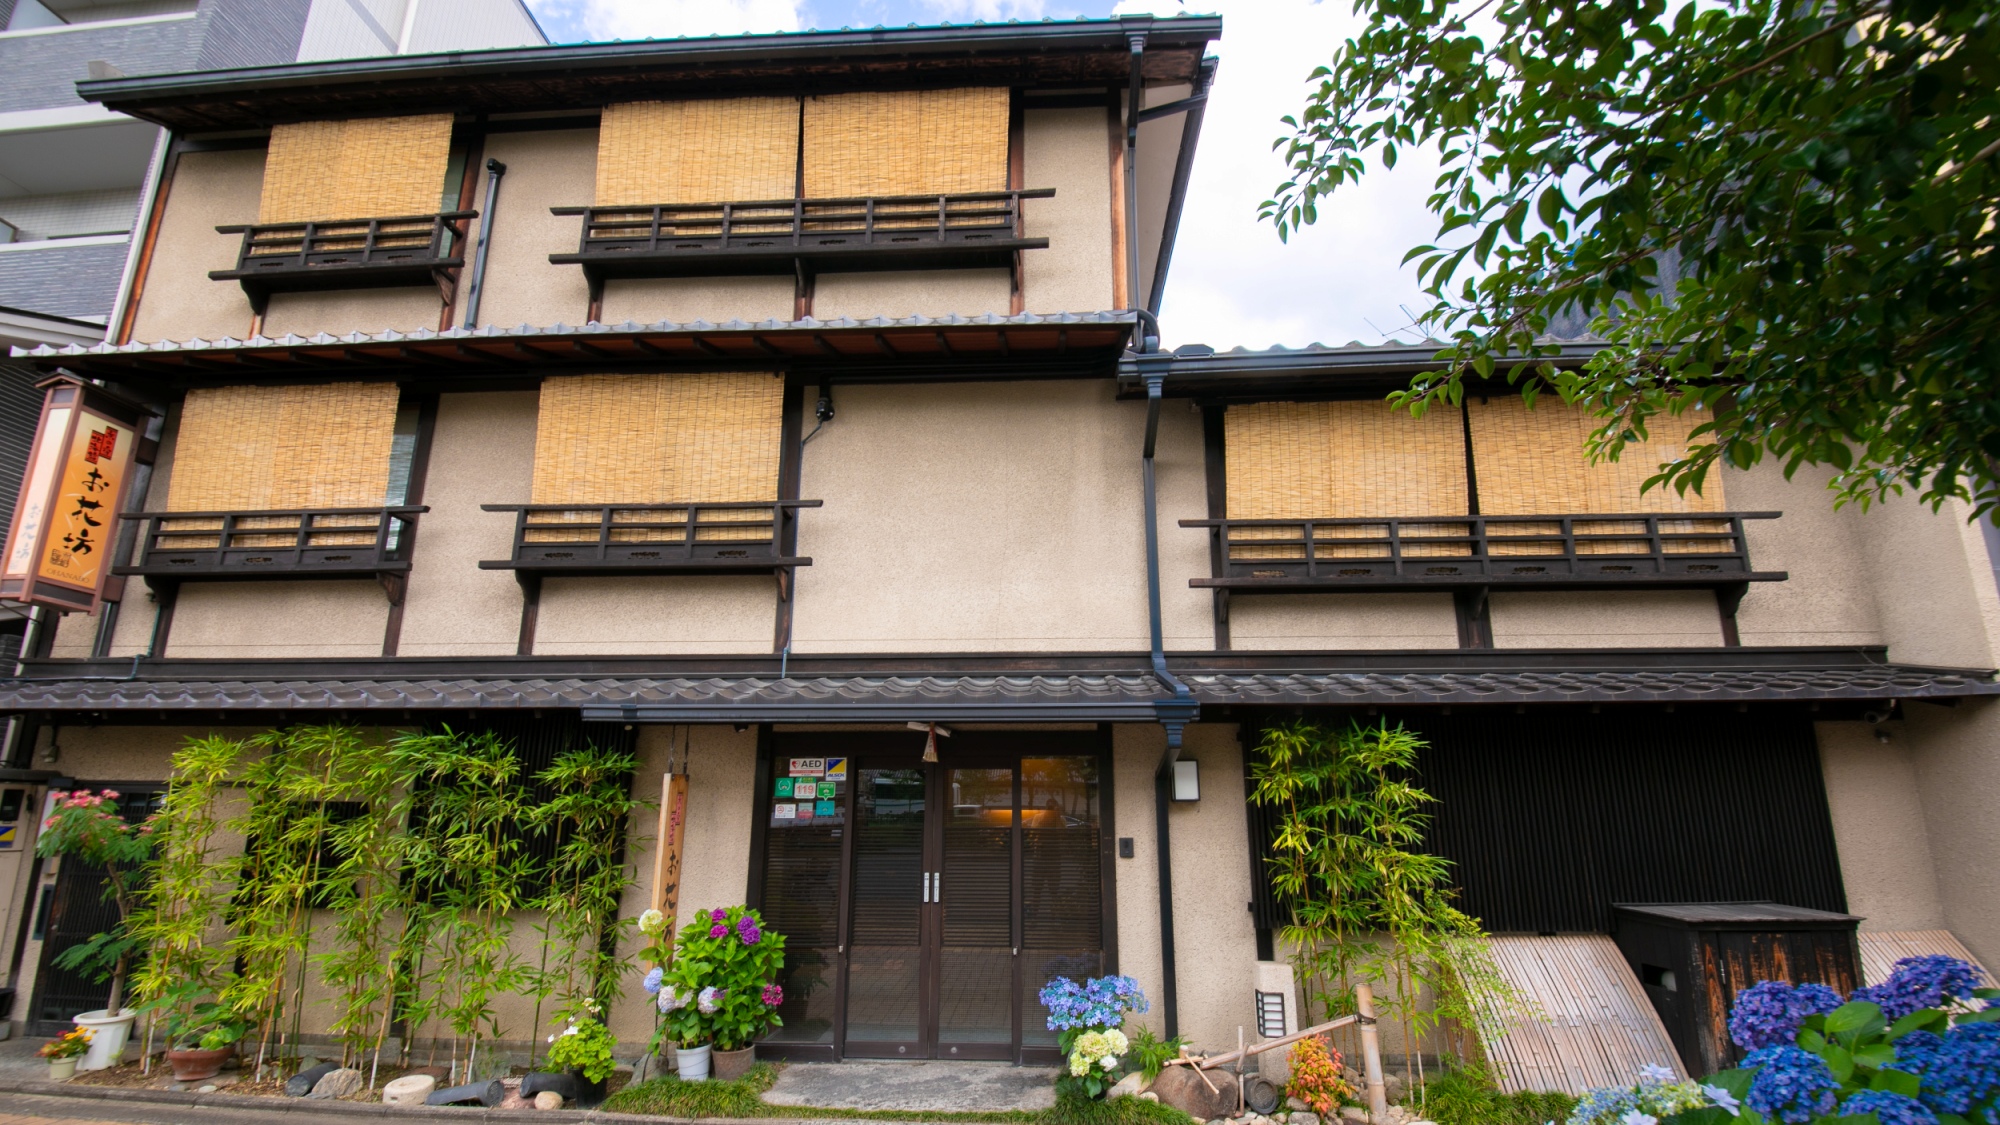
[[1586, 1021], [1882, 949]]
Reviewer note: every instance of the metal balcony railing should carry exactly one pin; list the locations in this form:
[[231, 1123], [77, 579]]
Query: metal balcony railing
[[1441, 552], [696, 538], [347, 253], [783, 235]]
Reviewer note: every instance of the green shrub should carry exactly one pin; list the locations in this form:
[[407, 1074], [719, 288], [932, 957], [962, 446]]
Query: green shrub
[[668, 1096], [1467, 1097], [1074, 1109]]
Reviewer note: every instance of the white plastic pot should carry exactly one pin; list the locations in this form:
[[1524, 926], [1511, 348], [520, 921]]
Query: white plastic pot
[[692, 1062], [107, 1037]]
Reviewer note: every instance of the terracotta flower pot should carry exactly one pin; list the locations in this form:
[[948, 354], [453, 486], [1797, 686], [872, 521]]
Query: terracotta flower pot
[[728, 1066], [193, 1063]]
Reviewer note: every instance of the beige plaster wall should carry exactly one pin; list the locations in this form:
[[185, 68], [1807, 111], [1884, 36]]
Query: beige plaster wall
[[1878, 825], [1070, 151], [993, 517], [1606, 619], [686, 299], [1354, 621], [1215, 944], [179, 302], [901, 293], [1933, 585], [241, 620], [1135, 754], [1827, 600], [553, 169], [483, 453], [1956, 752], [635, 616], [402, 308]]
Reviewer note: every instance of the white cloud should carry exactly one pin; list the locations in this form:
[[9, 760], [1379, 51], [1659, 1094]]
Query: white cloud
[[1232, 281], [961, 11], [660, 19]]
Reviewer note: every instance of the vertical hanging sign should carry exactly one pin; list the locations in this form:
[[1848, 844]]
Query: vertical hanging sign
[[667, 857], [66, 516]]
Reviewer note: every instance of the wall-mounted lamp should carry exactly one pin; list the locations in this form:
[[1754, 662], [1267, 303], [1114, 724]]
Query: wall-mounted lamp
[[1187, 780]]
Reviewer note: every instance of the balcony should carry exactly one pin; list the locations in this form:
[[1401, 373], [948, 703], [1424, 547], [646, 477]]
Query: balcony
[[348, 254], [297, 544], [784, 236], [1555, 552], [569, 540]]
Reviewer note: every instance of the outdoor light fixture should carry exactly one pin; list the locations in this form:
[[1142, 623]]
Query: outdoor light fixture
[[1187, 780]]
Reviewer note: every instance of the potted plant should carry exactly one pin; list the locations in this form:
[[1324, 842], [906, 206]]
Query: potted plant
[[584, 1049], [721, 992], [89, 827], [198, 1044], [63, 1051]]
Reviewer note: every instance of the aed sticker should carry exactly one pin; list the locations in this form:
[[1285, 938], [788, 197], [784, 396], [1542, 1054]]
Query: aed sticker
[[784, 810], [828, 791], [784, 787], [823, 808], [6, 835], [836, 769], [808, 767]]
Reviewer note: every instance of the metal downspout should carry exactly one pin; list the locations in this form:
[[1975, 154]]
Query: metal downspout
[[494, 170]]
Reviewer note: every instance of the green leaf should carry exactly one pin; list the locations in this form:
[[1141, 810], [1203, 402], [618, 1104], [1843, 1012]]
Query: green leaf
[[1852, 1017], [1838, 1060], [1896, 1082]]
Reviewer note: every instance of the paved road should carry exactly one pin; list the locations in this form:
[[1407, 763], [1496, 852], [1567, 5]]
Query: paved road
[[34, 1109]]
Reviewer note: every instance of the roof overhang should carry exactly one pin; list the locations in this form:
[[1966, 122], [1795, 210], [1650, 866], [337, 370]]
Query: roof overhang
[[20, 328], [586, 77], [1025, 346], [1352, 370]]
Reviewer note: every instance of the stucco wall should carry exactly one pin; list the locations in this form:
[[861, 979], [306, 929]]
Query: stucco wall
[[1878, 826], [553, 169], [686, 299], [992, 516], [209, 189], [900, 293], [1956, 752], [1070, 151], [1607, 619], [483, 453], [1135, 754], [1349, 621], [240, 620], [631, 616], [403, 308], [1827, 600], [1933, 584]]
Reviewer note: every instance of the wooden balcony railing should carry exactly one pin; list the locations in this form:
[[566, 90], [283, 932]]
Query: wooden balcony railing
[[291, 543], [581, 539], [1443, 552], [783, 235], [348, 254]]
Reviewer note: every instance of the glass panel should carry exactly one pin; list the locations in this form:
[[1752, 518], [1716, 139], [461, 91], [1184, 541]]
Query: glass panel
[[1062, 910], [977, 890], [801, 901], [884, 958]]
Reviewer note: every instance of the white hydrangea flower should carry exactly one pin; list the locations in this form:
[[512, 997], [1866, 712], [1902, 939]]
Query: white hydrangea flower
[[652, 922]]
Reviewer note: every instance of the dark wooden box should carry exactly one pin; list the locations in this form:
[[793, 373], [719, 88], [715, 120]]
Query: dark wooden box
[[1694, 957]]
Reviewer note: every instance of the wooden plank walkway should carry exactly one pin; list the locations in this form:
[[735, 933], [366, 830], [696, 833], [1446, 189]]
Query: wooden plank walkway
[[1585, 1022], [1881, 950]]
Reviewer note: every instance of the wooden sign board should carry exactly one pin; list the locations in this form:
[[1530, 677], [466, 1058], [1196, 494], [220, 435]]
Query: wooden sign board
[[66, 517], [667, 855]]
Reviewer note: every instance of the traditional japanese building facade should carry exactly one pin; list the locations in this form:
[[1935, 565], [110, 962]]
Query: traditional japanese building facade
[[745, 401]]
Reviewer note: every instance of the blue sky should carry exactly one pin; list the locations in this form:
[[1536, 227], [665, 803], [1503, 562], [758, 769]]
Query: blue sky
[[1233, 283]]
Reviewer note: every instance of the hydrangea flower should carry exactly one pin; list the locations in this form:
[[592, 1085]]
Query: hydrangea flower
[[1606, 1103], [1634, 1117], [1768, 1013], [1791, 1085], [672, 1000], [748, 931], [710, 1000], [1722, 1099], [652, 981], [718, 915], [652, 922], [774, 995], [1889, 1108], [1654, 1074], [718, 931], [1965, 1072], [1915, 1051], [1930, 981]]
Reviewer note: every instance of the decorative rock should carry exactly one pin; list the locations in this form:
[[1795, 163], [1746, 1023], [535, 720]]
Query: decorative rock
[[1184, 1089], [1129, 1086], [1305, 1119], [1352, 1077], [561, 1082], [436, 1072], [1353, 1113], [410, 1089], [1394, 1084], [1149, 1096], [337, 1084], [1296, 1104], [302, 1083], [488, 1094], [208, 1089], [548, 1099]]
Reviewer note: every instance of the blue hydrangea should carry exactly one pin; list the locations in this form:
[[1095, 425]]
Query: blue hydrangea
[[1768, 1013], [1930, 981], [652, 981], [1791, 1085], [1101, 1002], [1964, 1072], [1603, 1105], [1888, 1108], [1915, 1051]]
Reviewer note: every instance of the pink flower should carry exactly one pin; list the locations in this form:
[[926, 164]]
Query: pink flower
[[111, 792], [773, 995], [718, 930], [718, 914]]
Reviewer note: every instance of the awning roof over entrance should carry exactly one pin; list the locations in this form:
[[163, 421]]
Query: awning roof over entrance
[[1102, 693]]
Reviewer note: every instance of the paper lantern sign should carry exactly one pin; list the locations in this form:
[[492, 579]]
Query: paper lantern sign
[[66, 517]]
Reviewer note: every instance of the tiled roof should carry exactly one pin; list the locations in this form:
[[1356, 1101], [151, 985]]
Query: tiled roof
[[863, 698]]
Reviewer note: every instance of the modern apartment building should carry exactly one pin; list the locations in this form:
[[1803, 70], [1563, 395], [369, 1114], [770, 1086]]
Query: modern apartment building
[[744, 401]]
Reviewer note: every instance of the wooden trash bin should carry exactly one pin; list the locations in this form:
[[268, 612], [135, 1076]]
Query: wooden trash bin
[[1692, 958]]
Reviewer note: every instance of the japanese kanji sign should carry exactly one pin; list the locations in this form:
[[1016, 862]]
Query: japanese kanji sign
[[66, 519]]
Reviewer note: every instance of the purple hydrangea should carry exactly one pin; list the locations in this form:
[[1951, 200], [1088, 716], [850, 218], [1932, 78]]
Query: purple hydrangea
[[774, 995], [1930, 981], [718, 931], [1768, 1013], [1888, 1108], [1791, 1084], [718, 915], [1964, 1072], [748, 931]]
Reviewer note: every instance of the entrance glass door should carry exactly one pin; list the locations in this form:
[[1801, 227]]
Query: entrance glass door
[[932, 901]]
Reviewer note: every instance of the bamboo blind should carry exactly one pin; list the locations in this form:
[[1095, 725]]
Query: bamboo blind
[[1338, 460], [906, 142], [264, 448], [363, 169], [711, 151], [667, 439]]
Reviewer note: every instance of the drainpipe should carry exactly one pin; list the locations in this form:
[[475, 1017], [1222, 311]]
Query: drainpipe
[[494, 170]]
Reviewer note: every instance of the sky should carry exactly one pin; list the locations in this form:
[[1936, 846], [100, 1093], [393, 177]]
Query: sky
[[1233, 283]]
